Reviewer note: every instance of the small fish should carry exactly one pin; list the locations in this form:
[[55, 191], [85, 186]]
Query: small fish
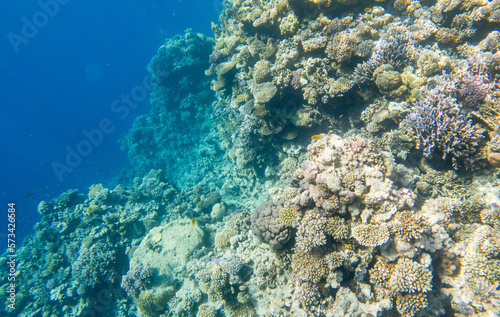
[[316, 136], [192, 221], [122, 227], [156, 192]]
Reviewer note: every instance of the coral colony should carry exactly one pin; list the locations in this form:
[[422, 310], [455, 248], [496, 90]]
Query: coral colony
[[314, 158]]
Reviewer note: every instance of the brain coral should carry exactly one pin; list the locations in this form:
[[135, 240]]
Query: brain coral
[[267, 226]]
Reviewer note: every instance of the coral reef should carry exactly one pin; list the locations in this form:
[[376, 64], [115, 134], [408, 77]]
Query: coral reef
[[316, 158]]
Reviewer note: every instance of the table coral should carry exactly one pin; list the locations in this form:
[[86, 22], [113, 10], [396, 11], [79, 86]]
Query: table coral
[[370, 235]]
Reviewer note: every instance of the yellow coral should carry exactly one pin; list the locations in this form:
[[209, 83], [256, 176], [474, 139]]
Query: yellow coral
[[288, 215], [409, 304], [410, 277], [369, 235], [92, 208], [94, 189], [408, 226]]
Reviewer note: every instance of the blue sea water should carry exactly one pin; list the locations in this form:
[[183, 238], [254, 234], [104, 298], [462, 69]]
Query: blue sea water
[[67, 68]]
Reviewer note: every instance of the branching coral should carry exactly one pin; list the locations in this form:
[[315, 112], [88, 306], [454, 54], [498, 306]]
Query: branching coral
[[410, 277], [336, 228], [440, 131], [311, 232], [309, 267], [136, 279], [370, 235], [408, 226], [94, 266]]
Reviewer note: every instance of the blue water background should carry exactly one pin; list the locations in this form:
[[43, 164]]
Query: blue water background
[[65, 79]]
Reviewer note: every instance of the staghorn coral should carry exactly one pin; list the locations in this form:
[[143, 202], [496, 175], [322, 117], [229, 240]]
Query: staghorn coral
[[393, 49], [370, 235]]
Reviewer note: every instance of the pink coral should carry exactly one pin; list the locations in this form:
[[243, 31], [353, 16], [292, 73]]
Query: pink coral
[[358, 145]]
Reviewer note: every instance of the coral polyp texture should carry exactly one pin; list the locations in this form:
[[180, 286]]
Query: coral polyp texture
[[314, 158]]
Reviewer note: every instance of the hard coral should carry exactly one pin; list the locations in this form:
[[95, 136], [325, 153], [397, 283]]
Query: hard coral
[[410, 277], [136, 279], [267, 226], [370, 235], [440, 131], [309, 266], [311, 232], [288, 216], [409, 304]]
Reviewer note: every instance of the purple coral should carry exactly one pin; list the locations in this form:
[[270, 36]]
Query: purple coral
[[230, 263], [295, 80], [358, 145], [214, 57], [440, 130], [394, 50], [473, 90], [136, 279]]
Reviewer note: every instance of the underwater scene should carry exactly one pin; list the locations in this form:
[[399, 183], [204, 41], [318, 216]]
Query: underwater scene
[[325, 158]]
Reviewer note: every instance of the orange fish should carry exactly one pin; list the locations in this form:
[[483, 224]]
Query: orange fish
[[316, 136]]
